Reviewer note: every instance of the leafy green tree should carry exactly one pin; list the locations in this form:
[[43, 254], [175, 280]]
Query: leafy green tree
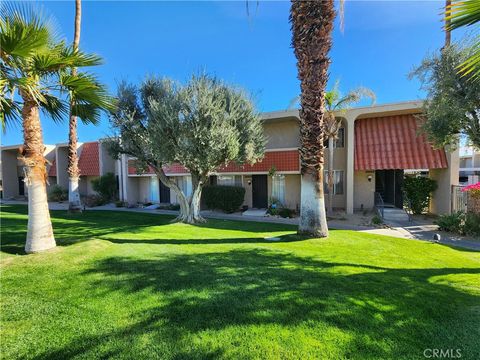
[[452, 107], [201, 125], [34, 75]]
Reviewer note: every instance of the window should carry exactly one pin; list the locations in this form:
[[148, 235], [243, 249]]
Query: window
[[229, 180], [185, 183], [337, 182], [340, 142], [278, 188]]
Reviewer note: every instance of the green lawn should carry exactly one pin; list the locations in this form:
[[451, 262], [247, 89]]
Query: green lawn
[[134, 286]]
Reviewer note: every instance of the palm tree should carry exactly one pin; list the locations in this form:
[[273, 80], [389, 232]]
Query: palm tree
[[34, 73], [336, 104], [459, 14], [312, 25], [74, 204]]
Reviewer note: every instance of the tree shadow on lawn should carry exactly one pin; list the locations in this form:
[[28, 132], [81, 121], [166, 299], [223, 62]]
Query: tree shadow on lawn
[[383, 312], [73, 228]]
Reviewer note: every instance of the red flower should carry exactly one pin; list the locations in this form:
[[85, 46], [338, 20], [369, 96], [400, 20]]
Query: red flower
[[473, 187]]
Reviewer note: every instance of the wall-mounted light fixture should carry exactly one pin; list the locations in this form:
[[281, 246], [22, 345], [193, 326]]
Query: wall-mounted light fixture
[[369, 178], [249, 182]]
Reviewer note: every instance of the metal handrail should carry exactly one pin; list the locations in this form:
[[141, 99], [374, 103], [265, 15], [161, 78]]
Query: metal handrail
[[379, 204]]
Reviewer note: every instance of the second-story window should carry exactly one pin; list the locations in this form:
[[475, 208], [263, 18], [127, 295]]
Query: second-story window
[[340, 142]]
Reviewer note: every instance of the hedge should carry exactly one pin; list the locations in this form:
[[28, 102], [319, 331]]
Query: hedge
[[226, 198]]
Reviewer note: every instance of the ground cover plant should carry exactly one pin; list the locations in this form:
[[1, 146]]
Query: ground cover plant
[[133, 285]]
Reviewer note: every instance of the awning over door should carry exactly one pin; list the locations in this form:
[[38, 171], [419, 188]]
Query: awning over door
[[392, 142]]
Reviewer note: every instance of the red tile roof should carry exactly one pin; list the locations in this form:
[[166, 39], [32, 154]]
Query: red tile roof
[[89, 162], [285, 160], [53, 168], [392, 142]]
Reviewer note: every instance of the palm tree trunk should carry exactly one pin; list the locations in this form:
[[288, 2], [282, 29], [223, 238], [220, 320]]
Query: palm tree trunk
[[312, 25], [448, 35], [330, 175], [74, 204], [39, 231]]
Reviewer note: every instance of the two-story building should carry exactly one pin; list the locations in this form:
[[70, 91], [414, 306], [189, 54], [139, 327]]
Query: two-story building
[[375, 146]]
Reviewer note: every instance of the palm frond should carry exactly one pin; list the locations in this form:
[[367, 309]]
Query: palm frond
[[24, 30], [466, 13], [54, 107], [62, 57], [462, 13], [10, 111], [88, 96], [355, 96]]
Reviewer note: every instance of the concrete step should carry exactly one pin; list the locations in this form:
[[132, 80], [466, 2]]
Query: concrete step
[[394, 215]]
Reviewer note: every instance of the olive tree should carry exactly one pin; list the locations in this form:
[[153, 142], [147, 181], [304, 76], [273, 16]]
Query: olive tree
[[201, 125], [452, 107]]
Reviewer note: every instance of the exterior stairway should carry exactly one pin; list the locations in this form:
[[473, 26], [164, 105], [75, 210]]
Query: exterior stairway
[[395, 216]]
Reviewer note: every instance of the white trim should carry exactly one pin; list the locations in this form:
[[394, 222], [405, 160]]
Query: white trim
[[469, 169], [11, 147], [153, 174], [246, 173], [282, 149]]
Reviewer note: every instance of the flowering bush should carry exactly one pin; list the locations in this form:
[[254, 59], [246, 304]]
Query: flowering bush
[[474, 190]]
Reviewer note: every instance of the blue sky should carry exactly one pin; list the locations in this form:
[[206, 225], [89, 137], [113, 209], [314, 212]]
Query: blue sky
[[381, 43]]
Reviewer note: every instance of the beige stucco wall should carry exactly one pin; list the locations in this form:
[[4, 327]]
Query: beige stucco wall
[[85, 185], [62, 166], [292, 191], [107, 163], [364, 190], [282, 134], [10, 173], [441, 202], [143, 184], [9, 177]]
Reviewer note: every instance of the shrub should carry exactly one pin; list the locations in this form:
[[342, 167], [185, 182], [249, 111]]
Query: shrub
[[377, 220], [175, 207], [472, 224], [418, 191], [106, 186], [225, 198], [286, 213], [451, 222], [119, 204], [94, 200], [57, 193]]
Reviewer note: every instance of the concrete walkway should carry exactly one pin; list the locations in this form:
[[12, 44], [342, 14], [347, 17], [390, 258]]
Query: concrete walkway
[[399, 227], [425, 230]]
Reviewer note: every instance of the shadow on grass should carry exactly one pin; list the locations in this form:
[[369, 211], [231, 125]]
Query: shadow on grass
[[375, 312], [91, 224], [72, 228]]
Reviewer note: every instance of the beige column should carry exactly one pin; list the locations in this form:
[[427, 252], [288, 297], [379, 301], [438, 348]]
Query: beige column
[[445, 178], [350, 165]]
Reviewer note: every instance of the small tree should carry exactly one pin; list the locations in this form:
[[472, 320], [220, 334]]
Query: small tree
[[453, 101], [202, 125]]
